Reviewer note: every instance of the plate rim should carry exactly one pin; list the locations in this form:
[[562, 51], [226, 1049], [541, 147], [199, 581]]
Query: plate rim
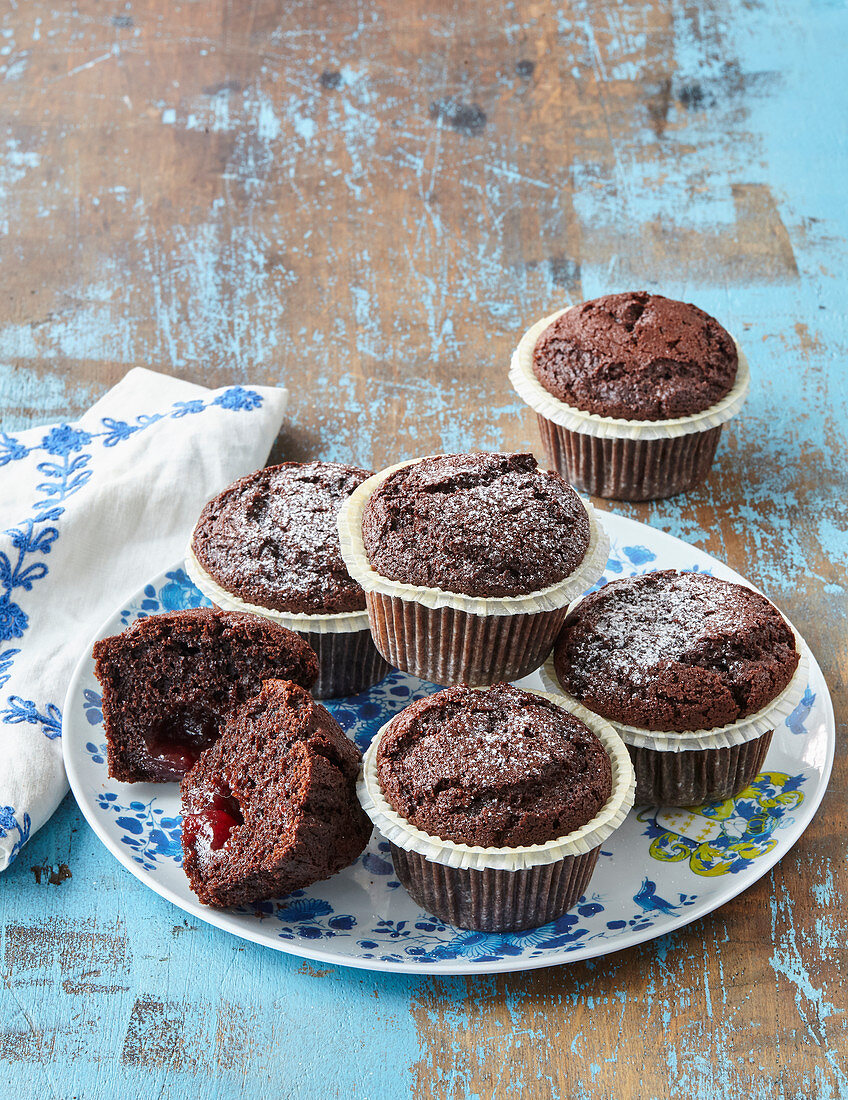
[[217, 918]]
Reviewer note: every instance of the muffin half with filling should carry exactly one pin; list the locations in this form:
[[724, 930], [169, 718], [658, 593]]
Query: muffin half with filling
[[271, 807]]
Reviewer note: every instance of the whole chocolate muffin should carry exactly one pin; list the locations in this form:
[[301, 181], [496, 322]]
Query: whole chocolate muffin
[[271, 807], [170, 681], [482, 524], [636, 356], [272, 539], [495, 768], [675, 651]]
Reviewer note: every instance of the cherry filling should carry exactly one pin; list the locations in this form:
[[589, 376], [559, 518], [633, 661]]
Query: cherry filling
[[211, 826], [174, 743]]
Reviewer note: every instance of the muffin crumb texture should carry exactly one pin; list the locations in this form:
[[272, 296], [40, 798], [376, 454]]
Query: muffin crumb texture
[[675, 651], [271, 538], [271, 807], [485, 525], [170, 681], [495, 768], [636, 356]]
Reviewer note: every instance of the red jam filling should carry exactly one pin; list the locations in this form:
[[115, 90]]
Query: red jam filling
[[211, 826], [175, 743]]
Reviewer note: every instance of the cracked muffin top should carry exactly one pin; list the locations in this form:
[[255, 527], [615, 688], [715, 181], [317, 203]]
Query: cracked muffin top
[[272, 539], [636, 356], [478, 524], [499, 768], [675, 651]]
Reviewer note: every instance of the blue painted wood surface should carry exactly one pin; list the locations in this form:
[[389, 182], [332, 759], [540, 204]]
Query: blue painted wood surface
[[370, 202]]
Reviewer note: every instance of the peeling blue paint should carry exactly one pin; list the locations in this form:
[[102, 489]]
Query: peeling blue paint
[[481, 234]]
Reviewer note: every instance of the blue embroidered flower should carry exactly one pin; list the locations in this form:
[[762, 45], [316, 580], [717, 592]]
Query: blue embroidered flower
[[64, 439], [10, 449], [25, 710], [6, 659], [237, 398], [9, 823], [13, 620]]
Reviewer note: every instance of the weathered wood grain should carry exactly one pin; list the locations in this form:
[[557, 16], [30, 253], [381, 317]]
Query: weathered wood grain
[[368, 201]]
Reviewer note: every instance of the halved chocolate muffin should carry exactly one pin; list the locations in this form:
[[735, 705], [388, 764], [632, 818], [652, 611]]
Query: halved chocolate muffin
[[271, 807], [170, 681]]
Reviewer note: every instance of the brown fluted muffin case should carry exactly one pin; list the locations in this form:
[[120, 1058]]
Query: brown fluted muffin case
[[493, 900], [348, 663], [447, 646], [629, 469], [696, 776]]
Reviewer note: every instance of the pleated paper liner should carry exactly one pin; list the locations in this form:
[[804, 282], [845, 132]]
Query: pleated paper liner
[[623, 459], [692, 767], [450, 638], [348, 660], [500, 889]]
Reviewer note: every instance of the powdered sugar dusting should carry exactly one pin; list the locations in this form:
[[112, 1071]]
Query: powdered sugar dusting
[[272, 538], [668, 621], [479, 524], [675, 651]]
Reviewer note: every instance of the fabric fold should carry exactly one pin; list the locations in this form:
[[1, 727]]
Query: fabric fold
[[90, 511]]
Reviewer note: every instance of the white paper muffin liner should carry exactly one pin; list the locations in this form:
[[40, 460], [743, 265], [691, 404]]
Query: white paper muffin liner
[[533, 393], [545, 599], [341, 622], [398, 831], [720, 737]]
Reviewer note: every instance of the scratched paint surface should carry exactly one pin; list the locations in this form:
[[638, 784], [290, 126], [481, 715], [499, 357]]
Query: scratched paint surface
[[370, 201]]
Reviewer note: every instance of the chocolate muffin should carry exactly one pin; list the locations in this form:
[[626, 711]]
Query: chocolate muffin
[[675, 651], [497, 768], [693, 671], [495, 803], [469, 563], [271, 807], [269, 544], [272, 538], [636, 356], [170, 682], [630, 392], [478, 524]]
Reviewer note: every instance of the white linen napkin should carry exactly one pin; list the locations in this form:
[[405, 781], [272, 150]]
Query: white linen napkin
[[89, 512]]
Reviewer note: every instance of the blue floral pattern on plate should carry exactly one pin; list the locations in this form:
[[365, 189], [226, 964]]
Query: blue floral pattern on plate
[[647, 880]]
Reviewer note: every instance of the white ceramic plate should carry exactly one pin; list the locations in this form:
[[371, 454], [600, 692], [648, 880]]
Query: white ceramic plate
[[661, 870]]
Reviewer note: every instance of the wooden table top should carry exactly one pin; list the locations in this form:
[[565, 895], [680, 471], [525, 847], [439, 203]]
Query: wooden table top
[[368, 202]]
